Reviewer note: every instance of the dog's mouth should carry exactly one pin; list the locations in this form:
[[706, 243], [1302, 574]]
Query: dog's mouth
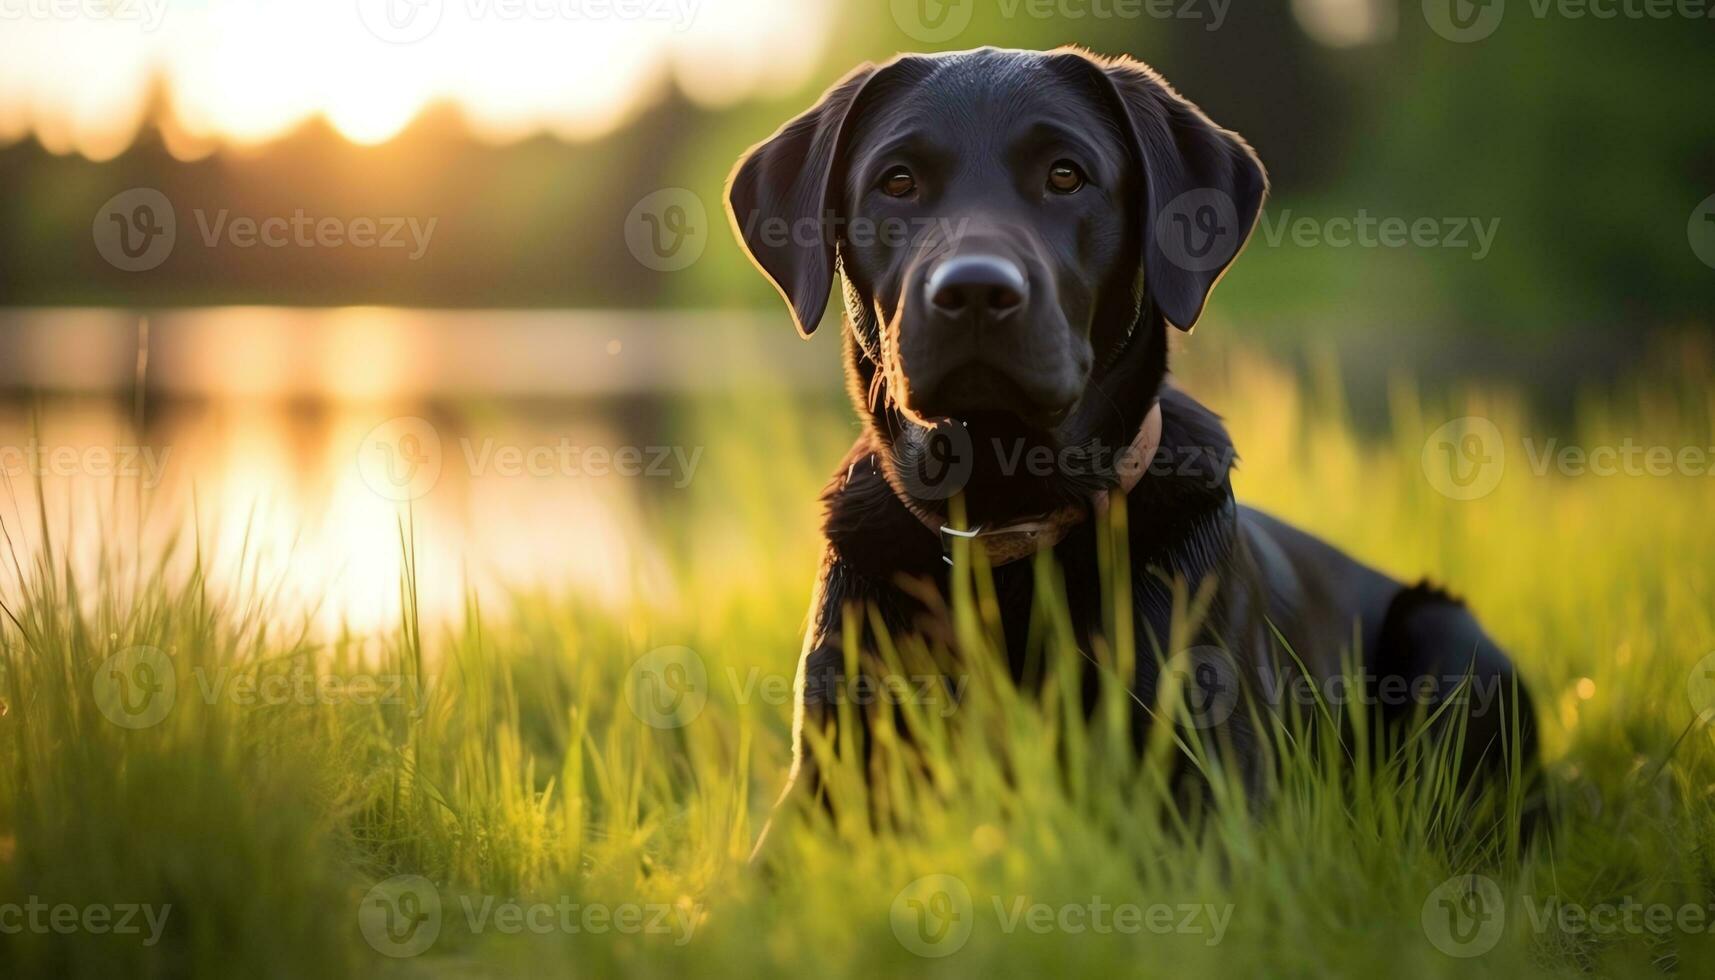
[[981, 395], [1000, 425]]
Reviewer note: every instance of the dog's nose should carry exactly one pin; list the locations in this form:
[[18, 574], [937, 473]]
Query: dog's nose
[[985, 286]]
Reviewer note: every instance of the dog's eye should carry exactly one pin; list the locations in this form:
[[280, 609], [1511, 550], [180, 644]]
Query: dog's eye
[[1065, 177], [898, 182]]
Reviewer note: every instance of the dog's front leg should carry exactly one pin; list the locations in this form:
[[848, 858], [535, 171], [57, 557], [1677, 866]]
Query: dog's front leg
[[822, 685]]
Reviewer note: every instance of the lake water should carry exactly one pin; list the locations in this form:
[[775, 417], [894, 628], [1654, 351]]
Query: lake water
[[523, 446]]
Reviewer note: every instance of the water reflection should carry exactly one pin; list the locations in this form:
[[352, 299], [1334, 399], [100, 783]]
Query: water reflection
[[282, 493], [521, 447]]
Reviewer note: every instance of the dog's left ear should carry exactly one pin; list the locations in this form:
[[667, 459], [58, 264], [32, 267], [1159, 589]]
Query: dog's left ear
[[777, 200], [1204, 186]]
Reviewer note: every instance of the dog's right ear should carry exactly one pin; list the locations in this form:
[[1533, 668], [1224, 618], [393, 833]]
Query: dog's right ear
[[777, 200]]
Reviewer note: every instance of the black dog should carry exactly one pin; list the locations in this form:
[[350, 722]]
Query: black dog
[[1015, 232]]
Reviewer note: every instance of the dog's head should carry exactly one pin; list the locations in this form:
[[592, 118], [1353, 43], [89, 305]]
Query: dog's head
[[1012, 228]]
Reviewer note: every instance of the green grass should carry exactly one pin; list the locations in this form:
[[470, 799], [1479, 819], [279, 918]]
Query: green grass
[[510, 763]]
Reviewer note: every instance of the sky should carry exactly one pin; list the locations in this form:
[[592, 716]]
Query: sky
[[78, 74]]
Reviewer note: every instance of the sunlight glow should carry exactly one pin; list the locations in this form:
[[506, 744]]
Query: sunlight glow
[[1347, 23], [243, 72]]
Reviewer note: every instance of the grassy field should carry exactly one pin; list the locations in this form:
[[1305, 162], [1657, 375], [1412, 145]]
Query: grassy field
[[558, 786]]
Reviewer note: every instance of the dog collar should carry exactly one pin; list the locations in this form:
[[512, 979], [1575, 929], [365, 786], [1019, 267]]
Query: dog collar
[[1021, 539]]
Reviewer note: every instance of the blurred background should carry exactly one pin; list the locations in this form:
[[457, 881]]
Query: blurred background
[[292, 257]]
